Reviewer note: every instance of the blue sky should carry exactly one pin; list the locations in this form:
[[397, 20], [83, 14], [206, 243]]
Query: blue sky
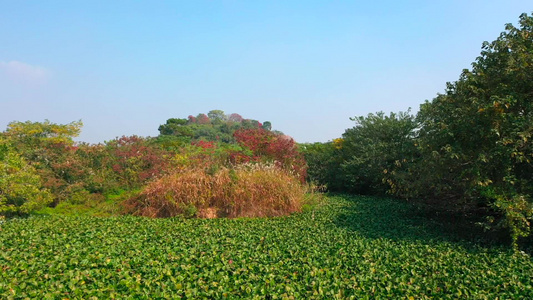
[[125, 67]]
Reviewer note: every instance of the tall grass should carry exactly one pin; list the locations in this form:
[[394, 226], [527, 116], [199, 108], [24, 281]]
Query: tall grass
[[251, 190]]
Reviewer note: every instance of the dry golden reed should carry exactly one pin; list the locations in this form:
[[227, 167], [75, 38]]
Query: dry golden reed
[[253, 190]]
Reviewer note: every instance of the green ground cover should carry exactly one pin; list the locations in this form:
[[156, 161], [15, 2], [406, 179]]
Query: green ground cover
[[347, 247]]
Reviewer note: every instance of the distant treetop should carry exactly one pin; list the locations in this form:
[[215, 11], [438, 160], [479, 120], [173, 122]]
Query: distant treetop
[[213, 126]]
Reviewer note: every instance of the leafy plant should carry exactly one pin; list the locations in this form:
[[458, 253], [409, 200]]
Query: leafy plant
[[136, 160], [324, 162], [347, 248]]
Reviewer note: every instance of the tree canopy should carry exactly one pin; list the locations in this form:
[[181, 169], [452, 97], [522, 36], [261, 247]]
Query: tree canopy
[[213, 126]]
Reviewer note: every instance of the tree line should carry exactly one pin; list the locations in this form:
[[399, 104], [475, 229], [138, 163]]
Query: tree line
[[41, 165], [468, 150]]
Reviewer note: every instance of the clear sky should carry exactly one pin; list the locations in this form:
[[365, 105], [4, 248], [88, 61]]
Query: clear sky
[[125, 67]]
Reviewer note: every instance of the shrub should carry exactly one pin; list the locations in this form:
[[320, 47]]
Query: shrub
[[136, 160], [260, 190], [253, 190], [50, 149], [267, 146]]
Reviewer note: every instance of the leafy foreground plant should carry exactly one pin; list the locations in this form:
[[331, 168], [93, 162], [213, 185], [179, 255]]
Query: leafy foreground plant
[[348, 247]]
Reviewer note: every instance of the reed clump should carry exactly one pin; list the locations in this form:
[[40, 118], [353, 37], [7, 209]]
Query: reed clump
[[247, 190]]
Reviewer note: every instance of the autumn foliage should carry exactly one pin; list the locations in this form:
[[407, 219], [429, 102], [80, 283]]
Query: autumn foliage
[[268, 146], [135, 161]]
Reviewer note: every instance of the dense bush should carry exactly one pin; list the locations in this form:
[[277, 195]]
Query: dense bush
[[253, 190], [84, 175], [135, 160], [215, 126], [96, 162], [49, 148], [368, 158], [211, 178], [324, 162], [30, 138]]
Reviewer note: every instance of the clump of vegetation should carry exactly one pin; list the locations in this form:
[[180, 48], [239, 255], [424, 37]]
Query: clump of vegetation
[[476, 138], [251, 190], [268, 147]]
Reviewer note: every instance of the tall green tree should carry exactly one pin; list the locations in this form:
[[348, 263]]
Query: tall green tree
[[28, 136], [324, 162], [177, 128], [476, 138], [376, 145], [49, 148], [217, 116], [21, 190]]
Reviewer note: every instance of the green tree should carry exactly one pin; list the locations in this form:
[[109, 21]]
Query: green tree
[[178, 128], [324, 164], [376, 145], [267, 125], [476, 138], [217, 116], [49, 148], [29, 136], [21, 189]]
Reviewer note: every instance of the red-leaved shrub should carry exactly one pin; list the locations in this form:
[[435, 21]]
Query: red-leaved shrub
[[135, 160], [267, 146]]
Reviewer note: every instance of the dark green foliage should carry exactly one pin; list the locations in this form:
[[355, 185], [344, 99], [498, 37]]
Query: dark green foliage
[[347, 248], [177, 128], [375, 146], [267, 125], [171, 142], [324, 164], [475, 139], [367, 156]]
